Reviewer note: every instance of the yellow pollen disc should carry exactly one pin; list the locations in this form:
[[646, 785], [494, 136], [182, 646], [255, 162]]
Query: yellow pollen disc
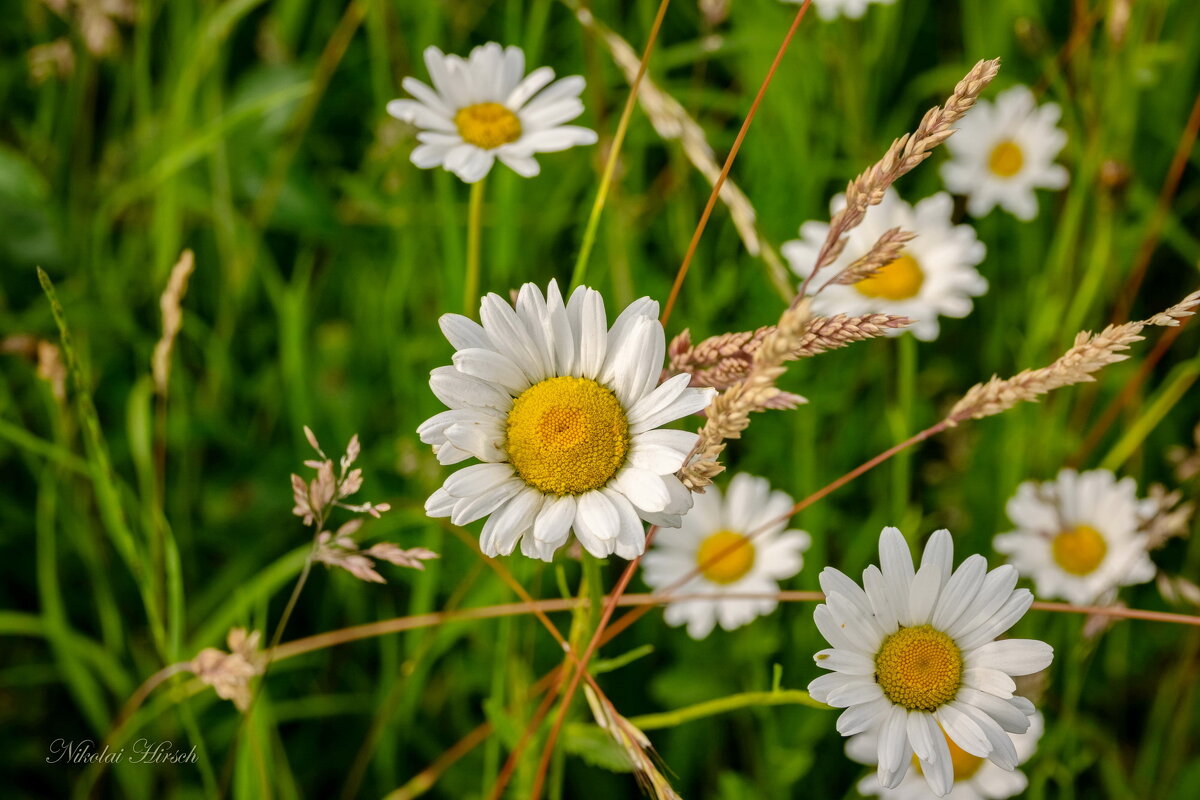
[[898, 280], [487, 125], [965, 764], [567, 435], [1079, 550], [919, 668], [1006, 159], [730, 567]]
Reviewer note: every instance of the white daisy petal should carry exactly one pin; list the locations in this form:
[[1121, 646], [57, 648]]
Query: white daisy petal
[[992, 681], [463, 332], [861, 717], [631, 536], [457, 390], [598, 516], [490, 366], [963, 586], [440, 504], [477, 506], [845, 661], [1014, 656], [1013, 609], [554, 522], [644, 489], [963, 730], [894, 750]]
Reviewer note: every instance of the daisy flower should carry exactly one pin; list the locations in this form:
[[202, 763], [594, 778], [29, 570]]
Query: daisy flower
[[714, 525], [1078, 537], [975, 778], [915, 655], [832, 9], [935, 275], [1003, 151], [566, 414], [485, 108]]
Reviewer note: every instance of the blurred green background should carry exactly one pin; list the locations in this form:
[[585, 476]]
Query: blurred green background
[[254, 133]]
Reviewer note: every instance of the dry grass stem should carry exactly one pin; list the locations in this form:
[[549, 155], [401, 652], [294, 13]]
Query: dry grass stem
[[672, 122], [722, 360], [1089, 354], [634, 745], [885, 250], [171, 305], [902, 157], [729, 413]]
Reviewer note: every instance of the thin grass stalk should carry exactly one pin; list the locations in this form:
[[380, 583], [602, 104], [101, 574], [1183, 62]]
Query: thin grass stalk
[[610, 165], [1146, 248], [681, 274], [1113, 409], [609, 607]]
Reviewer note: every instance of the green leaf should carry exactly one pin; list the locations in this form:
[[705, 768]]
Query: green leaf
[[596, 747]]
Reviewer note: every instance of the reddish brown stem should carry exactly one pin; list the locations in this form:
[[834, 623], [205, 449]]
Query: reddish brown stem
[[733, 151]]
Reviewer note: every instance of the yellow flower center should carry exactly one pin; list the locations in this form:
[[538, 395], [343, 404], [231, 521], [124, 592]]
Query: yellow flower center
[[919, 668], [965, 764], [731, 566], [567, 435], [898, 280], [1006, 159], [1079, 550], [487, 125]]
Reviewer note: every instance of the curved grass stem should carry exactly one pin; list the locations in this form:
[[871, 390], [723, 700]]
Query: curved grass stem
[[722, 705]]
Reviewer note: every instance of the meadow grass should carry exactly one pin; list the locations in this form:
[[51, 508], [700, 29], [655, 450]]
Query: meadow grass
[[254, 133]]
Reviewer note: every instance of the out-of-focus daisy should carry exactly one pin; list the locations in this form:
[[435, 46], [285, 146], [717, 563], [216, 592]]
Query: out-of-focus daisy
[[1003, 151], [1078, 537], [935, 274], [831, 9], [915, 654], [715, 525], [566, 413], [485, 108], [975, 778]]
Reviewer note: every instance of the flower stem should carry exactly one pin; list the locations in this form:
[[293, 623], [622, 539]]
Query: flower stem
[[669, 719], [474, 229]]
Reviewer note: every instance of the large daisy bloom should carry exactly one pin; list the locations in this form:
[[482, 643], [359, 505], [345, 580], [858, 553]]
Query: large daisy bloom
[[566, 413], [832, 9], [1078, 537], [975, 778], [1003, 151], [485, 108], [934, 275], [914, 653], [738, 544]]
